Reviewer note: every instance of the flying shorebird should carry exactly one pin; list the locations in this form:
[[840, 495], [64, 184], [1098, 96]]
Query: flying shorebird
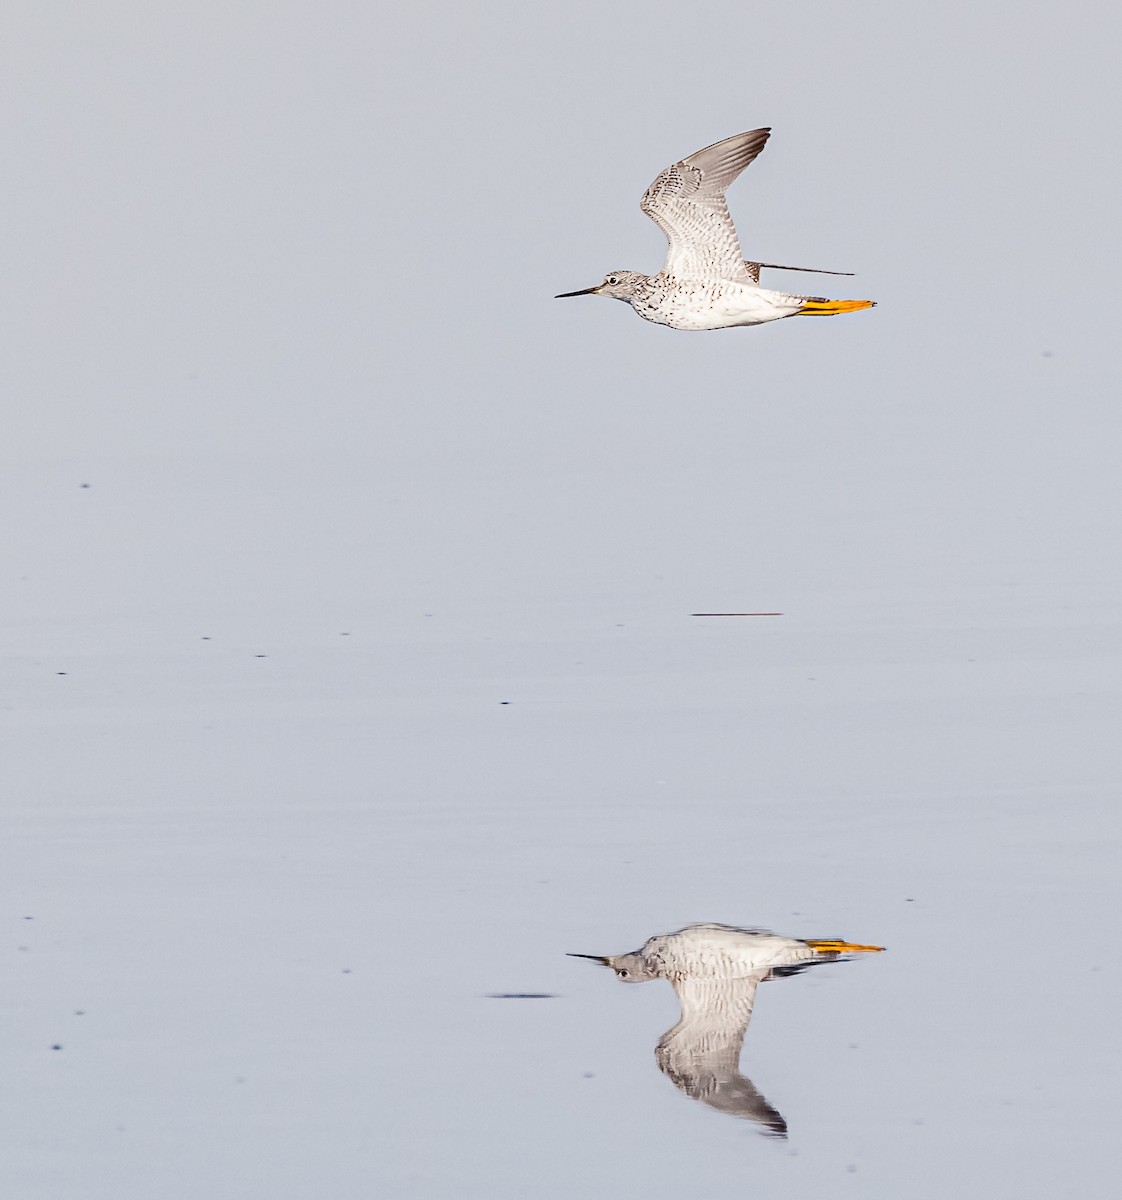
[[705, 282], [715, 970]]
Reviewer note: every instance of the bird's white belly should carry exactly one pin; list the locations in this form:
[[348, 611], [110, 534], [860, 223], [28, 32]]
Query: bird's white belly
[[717, 305]]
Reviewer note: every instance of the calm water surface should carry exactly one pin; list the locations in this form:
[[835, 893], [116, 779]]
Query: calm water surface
[[285, 935]]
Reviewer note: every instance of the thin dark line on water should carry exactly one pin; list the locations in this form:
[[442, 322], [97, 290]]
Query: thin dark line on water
[[521, 996], [736, 614]]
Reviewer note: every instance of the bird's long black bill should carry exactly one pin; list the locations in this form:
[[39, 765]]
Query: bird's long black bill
[[594, 957], [565, 296]]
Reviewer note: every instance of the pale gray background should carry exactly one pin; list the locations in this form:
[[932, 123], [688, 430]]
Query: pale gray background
[[277, 286]]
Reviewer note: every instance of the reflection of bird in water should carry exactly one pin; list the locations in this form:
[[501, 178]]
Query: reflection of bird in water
[[715, 970]]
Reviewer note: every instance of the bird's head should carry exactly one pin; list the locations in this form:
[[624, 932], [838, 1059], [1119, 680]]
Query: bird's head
[[631, 968], [619, 285]]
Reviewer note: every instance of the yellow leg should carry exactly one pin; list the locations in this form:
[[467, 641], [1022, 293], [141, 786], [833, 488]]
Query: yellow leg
[[837, 946], [831, 308]]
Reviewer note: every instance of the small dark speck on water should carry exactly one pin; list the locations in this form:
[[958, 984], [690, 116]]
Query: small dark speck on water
[[79, 1012], [56, 1046], [504, 701], [29, 918], [260, 656], [909, 900], [521, 995], [205, 638], [344, 635], [60, 672], [852, 1168], [346, 970], [84, 485]]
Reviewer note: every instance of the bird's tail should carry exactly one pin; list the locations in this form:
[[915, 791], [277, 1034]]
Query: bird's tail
[[816, 306], [838, 946]]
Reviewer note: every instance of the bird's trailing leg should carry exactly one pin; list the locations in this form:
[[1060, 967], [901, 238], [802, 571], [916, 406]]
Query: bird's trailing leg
[[837, 946], [817, 306]]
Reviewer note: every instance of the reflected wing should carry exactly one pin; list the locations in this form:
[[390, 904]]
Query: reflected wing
[[701, 1054], [687, 202]]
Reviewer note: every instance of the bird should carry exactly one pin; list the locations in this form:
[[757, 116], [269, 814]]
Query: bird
[[715, 971], [706, 283]]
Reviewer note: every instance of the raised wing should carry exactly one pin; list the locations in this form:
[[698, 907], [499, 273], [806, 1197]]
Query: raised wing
[[687, 202]]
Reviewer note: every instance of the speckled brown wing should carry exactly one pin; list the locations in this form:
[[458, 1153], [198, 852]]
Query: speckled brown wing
[[687, 202]]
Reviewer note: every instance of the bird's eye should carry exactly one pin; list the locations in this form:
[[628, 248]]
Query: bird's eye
[[622, 972], [612, 279]]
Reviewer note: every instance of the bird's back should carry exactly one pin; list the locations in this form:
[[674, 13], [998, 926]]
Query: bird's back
[[722, 952]]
